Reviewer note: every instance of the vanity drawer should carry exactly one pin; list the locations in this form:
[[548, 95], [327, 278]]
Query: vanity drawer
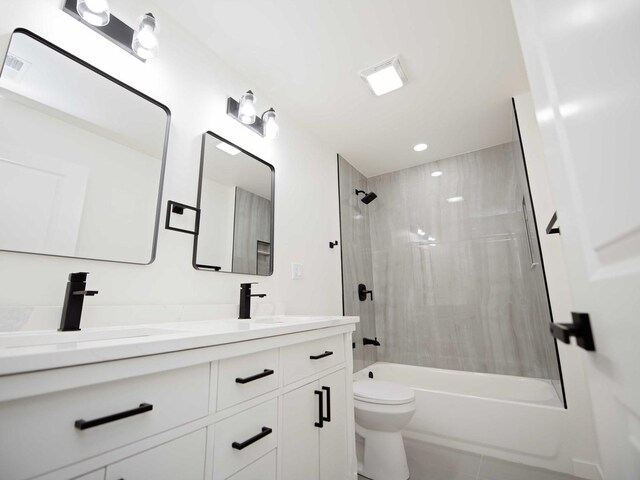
[[246, 377], [243, 438], [262, 469], [43, 433], [304, 359]]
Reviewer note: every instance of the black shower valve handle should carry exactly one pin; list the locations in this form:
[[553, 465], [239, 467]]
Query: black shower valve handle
[[363, 292]]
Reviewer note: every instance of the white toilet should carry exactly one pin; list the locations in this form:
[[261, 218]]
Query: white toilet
[[382, 409]]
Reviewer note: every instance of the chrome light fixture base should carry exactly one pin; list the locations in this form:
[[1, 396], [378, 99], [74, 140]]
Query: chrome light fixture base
[[116, 30], [232, 110]]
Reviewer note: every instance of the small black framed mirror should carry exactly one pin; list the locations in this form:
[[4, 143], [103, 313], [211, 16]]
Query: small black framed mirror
[[236, 193]]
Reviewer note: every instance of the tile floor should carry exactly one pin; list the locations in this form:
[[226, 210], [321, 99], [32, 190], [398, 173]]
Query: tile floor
[[433, 462]]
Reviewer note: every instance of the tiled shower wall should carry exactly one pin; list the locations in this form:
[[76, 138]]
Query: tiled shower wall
[[356, 260], [455, 285]]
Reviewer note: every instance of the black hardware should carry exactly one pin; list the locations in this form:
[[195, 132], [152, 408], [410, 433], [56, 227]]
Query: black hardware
[[368, 197], [179, 208], [239, 446], [370, 374], [333, 244], [328, 417], [257, 376], [245, 299], [320, 422], [368, 341], [580, 328], [353, 344], [322, 355], [363, 292], [84, 424], [116, 30], [73, 301], [550, 228], [212, 267]]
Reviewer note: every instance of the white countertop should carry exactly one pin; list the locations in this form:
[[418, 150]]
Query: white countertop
[[22, 352]]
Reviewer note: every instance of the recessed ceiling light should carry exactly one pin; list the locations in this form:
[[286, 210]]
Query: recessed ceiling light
[[455, 199], [436, 174], [230, 149], [420, 147], [384, 77]]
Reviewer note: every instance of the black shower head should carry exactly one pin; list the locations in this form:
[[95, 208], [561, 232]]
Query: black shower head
[[368, 197]]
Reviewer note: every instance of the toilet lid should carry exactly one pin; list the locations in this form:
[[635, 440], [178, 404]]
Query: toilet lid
[[377, 391]]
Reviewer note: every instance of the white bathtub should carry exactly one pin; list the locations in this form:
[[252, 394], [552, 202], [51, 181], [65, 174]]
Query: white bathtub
[[514, 418]]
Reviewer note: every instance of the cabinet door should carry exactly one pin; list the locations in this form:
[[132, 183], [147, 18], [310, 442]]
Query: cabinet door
[[333, 436], [179, 459], [300, 412]]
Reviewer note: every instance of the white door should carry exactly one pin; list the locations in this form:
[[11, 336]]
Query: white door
[[182, 459], [583, 62], [333, 436], [300, 412]]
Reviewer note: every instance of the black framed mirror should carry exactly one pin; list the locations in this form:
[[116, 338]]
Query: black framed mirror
[[82, 158], [236, 200]]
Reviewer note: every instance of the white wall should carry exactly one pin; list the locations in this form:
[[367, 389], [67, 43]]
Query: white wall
[[580, 452], [194, 84]]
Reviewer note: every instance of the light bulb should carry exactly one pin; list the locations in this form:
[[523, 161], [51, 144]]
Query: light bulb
[[247, 108], [145, 42], [271, 128], [95, 12]]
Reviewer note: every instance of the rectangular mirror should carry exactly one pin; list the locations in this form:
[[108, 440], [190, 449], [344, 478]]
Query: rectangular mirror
[[81, 158], [235, 197]]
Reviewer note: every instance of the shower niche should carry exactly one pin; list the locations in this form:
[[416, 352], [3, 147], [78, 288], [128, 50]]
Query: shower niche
[[451, 250]]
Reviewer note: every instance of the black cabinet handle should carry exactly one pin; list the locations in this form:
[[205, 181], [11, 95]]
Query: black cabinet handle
[[328, 417], [320, 421], [322, 355], [580, 328], [551, 228], [84, 424], [239, 446], [257, 376]]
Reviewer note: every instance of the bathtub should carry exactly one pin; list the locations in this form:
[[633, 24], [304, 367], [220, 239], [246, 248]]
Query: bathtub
[[513, 418]]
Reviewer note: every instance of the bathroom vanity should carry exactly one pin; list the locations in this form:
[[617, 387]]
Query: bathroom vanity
[[262, 399]]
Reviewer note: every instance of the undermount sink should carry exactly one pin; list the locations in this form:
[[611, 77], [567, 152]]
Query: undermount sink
[[33, 339]]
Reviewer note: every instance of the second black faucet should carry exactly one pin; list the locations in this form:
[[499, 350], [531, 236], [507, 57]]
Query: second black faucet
[[245, 300]]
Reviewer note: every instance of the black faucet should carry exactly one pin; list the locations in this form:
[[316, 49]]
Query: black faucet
[[73, 300], [245, 299]]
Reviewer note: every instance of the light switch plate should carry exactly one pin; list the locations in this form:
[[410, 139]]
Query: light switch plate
[[297, 271]]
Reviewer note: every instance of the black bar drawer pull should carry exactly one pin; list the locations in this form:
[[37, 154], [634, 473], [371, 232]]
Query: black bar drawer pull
[[320, 421], [257, 376], [84, 424], [322, 355], [239, 446], [328, 417]]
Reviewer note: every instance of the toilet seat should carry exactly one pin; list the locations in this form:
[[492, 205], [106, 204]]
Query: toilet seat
[[381, 392]]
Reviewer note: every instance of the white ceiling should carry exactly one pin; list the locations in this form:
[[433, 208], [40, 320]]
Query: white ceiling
[[462, 59]]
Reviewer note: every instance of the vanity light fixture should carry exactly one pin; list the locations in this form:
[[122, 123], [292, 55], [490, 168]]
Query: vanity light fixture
[[420, 147], [244, 111], [145, 41], [95, 12], [385, 77], [230, 149], [247, 108], [271, 128], [142, 42]]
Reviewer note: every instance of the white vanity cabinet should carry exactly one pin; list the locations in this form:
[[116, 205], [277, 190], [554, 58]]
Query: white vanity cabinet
[[245, 410], [315, 442]]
